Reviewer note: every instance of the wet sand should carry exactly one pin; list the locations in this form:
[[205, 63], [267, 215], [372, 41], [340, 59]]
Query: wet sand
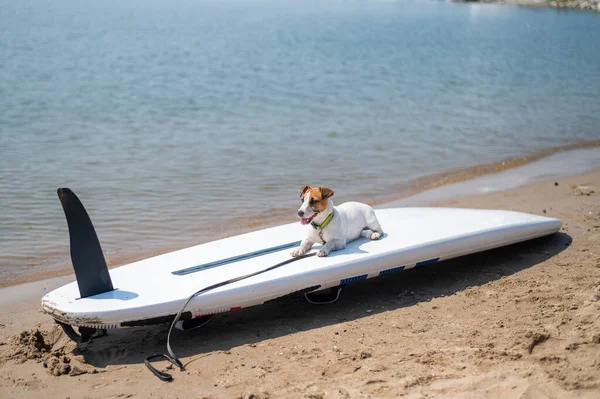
[[520, 322]]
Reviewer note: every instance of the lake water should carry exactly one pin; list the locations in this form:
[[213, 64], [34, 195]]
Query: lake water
[[178, 122]]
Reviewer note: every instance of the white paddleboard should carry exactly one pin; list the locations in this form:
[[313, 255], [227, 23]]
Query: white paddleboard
[[153, 290]]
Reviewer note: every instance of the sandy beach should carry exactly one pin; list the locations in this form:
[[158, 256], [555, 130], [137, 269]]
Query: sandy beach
[[518, 322]]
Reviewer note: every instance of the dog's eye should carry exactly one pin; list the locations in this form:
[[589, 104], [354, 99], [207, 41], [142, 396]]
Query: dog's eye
[[313, 201]]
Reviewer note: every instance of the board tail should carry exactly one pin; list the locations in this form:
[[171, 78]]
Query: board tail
[[88, 261]]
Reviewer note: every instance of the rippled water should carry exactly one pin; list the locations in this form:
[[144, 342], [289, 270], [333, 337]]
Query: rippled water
[[178, 122]]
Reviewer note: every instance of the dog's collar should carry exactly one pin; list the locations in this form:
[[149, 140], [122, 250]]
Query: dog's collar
[[324, 224]]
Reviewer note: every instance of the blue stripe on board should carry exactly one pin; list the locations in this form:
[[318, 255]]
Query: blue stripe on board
[[353, 279], [233, 259], [392, 270], [427, 262]]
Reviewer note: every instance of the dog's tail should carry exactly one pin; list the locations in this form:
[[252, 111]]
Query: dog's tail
[[373, 223]]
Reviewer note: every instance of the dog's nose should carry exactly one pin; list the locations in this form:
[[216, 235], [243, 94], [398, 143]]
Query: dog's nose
[[300, 213]]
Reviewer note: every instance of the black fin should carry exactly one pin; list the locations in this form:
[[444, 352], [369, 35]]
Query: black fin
[[85, 333], [86, 254]]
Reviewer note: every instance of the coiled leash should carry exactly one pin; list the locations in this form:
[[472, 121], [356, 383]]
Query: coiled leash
[[171, 356]]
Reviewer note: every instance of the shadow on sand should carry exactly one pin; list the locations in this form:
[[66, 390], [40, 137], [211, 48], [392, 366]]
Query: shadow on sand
[[293, 314]]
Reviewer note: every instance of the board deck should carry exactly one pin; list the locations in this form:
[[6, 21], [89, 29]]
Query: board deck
[[152, 290]]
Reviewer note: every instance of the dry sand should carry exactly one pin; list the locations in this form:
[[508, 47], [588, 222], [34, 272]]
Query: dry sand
[[517, 322]]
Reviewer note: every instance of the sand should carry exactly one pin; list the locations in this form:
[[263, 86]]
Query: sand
[[517, 322]]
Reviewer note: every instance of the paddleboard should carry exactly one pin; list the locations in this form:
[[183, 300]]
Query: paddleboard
[[153, 290]]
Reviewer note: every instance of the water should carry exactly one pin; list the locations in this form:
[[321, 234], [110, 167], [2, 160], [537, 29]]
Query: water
[[178, 122]]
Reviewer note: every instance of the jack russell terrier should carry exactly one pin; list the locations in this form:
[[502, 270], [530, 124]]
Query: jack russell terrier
[[331, 226]]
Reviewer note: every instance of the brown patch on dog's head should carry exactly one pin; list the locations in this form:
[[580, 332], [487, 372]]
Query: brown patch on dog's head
[[304, 190], [325, 192], [318, 197]]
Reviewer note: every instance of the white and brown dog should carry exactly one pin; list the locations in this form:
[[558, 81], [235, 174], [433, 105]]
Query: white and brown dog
[[331, 226]]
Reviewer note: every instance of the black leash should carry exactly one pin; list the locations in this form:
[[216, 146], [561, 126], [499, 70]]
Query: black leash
[[171, 356]]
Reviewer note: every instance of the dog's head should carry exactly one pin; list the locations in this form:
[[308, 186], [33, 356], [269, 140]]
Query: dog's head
[[314, 201]]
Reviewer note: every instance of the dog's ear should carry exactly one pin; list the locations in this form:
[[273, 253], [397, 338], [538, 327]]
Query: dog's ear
[[304, 190], [325, 193]]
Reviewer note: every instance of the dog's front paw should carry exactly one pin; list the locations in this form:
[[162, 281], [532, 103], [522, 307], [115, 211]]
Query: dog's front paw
[[297, 252], [375, 236], [322, 253]]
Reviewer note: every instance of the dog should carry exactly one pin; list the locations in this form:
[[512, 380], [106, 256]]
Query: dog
[[333, 226]]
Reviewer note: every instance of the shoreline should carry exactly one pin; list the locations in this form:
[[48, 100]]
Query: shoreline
[[519, 321], [585, 5], [580, 158]]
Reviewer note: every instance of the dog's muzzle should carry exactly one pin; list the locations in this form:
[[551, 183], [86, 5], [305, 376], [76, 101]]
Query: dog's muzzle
[[304, 220]]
